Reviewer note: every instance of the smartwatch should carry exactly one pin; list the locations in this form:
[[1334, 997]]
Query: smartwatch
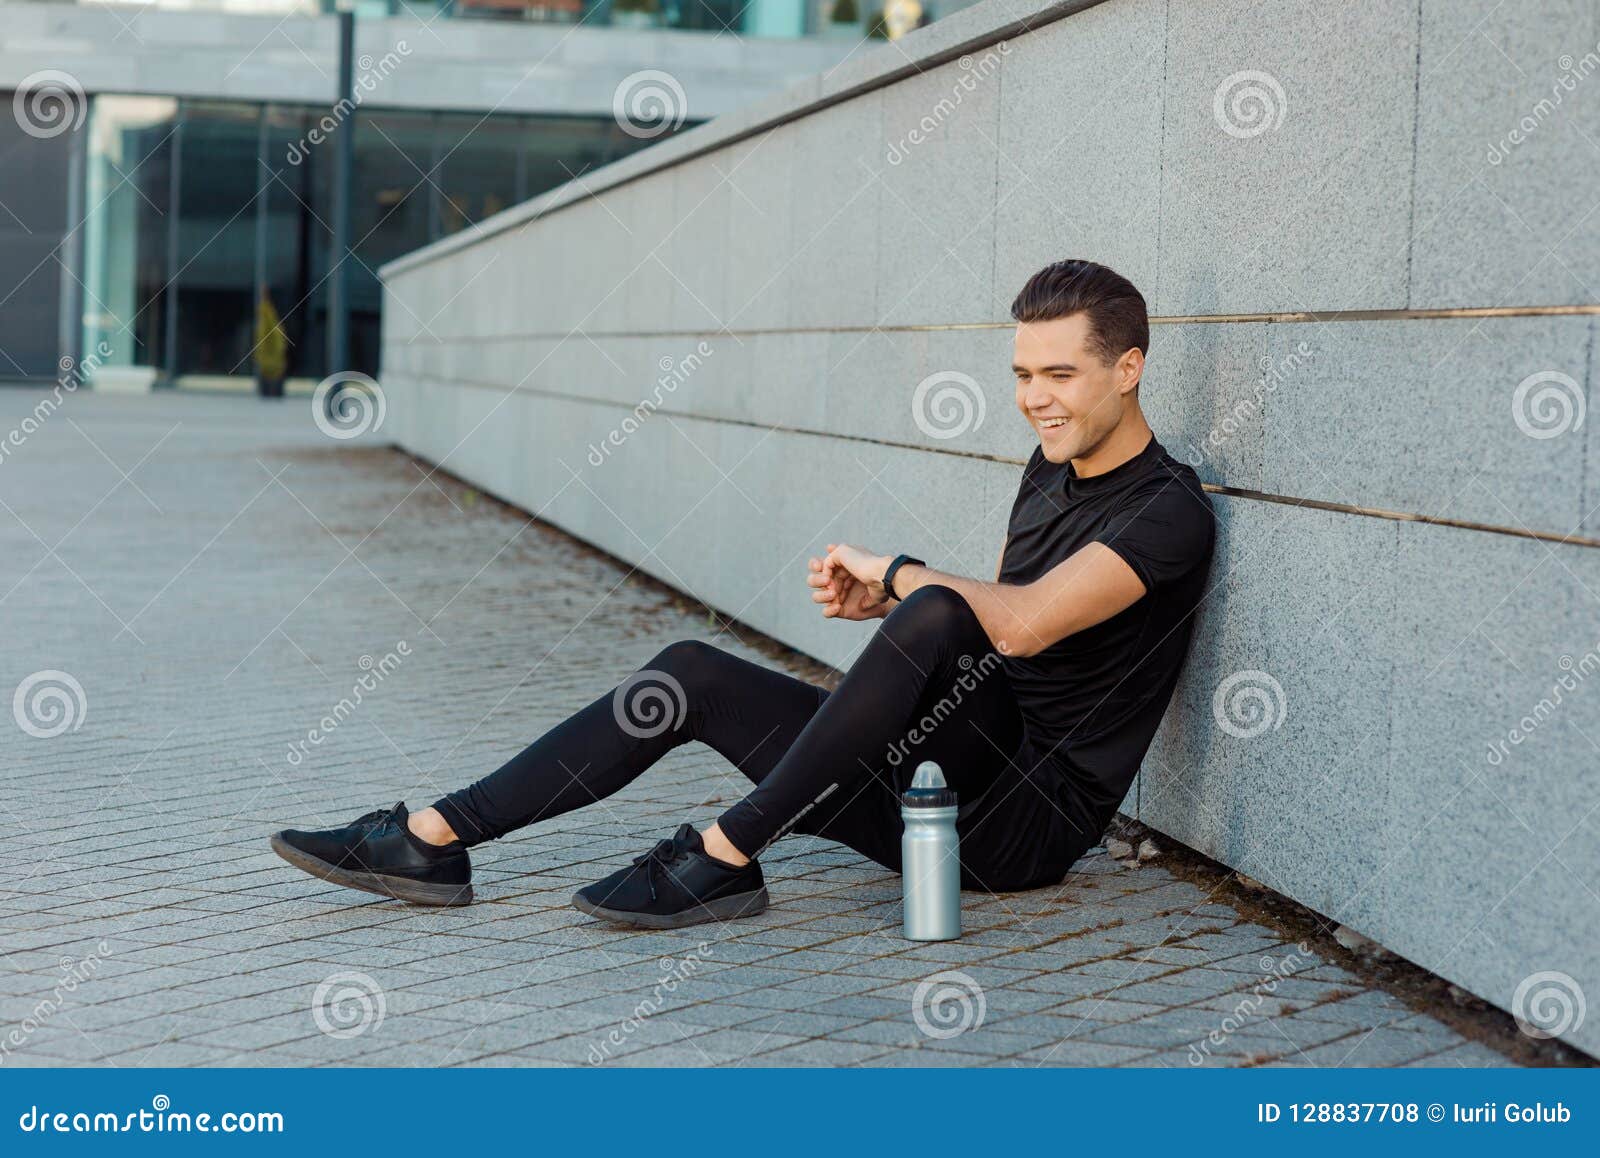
[[888, 576]]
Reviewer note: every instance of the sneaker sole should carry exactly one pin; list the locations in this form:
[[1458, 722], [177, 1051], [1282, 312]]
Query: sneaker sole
[[721, 909], [395, 888]]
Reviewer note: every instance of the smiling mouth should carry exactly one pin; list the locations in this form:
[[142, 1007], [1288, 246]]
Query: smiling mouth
[[1052, 423]]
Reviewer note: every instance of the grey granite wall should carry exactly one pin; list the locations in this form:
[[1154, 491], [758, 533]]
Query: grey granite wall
[[1370, 239]]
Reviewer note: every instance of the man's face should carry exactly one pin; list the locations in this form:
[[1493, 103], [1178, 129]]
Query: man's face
[[1069, 396]]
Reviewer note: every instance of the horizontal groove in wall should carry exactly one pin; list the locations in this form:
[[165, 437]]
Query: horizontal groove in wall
[[1301, 316], [1293, 318], [1404, 516], [1214, 488]]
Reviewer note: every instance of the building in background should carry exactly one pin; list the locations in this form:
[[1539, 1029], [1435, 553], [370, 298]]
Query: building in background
[[167, 165]]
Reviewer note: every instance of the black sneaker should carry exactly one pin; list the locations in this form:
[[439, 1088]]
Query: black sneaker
[[377, 853], [675, 884]]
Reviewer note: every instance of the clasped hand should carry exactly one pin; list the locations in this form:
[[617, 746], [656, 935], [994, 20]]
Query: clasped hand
[[848, 583]]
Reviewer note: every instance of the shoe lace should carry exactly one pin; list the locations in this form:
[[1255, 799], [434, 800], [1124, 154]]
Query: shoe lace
[[374, 819], [657, 860]]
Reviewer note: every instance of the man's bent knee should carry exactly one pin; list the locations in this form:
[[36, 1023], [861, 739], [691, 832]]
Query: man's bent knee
[[933, 611], [689, 662]]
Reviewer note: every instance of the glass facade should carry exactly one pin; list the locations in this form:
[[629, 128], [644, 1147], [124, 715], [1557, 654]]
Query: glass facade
[[197, 210], [765, 18], [773, 18], [200, 213]]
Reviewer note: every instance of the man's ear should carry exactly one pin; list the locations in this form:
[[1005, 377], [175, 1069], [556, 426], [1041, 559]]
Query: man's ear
[[1130, 368]]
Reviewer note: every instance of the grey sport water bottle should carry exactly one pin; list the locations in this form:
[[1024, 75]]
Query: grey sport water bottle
[[930, 864]]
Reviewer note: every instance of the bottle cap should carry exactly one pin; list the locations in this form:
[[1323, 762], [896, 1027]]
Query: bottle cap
[[928, 788]]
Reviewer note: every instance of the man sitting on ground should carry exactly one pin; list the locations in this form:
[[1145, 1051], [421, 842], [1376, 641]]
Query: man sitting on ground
[[1050, 681]]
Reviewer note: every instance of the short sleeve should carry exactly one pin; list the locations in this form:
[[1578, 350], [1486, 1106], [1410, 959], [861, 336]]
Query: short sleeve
[[1163, 531]]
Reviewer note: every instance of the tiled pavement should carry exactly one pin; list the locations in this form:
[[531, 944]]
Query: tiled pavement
[[216, 575]]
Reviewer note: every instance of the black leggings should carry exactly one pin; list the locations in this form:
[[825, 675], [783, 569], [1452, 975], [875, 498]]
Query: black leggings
[[928, 686]]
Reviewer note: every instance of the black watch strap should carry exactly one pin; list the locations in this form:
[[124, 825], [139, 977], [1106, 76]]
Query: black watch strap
[[888, 576]]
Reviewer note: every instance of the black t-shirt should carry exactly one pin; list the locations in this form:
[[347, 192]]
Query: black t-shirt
[[1091, 702]]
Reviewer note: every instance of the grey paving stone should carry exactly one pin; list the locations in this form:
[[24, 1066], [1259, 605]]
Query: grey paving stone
[[169, 1053], [1070, 985], [737, 1044], [1470, 1054], [1107, 1009], [831, 984], [1378, 1047], [924, 1059], [799, 1023], [1161, 992], [815, 1053], [1081, 1052], [1153, 1032], [781, 998], [993, 1040], [863, 1006], [673, 1056], [1190, 1059], [1123, 969]]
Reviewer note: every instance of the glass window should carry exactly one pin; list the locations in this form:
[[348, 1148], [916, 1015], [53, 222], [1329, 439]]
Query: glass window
[[483, 170], [391, 198], [254, 213], [391, 213], [127, 194], [561, 148], [215, 279], [703, 15], [299, 235]]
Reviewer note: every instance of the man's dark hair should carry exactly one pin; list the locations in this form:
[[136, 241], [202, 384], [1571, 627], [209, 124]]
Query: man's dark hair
[[1116, 312]]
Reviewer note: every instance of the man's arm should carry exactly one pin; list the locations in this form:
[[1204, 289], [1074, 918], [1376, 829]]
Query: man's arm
[[1021, 619]]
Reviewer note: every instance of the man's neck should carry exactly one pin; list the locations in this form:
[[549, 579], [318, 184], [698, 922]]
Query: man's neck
[[1130, 437]]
